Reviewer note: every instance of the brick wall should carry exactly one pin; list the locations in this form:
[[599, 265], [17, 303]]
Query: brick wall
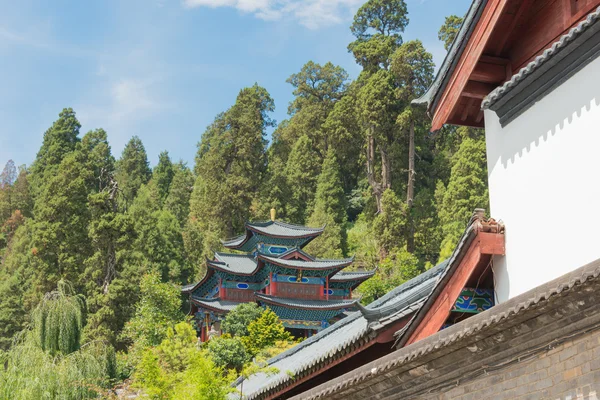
[[571, 371]]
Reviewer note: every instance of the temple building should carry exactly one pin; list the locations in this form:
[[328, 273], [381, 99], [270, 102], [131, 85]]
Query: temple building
[[308, 294]]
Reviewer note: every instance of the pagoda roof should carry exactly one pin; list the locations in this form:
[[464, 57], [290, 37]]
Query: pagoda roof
[[308, 265], [344, 335], [306, 304], [345, 276], [236, 264], [193, 286], [215, 304], [275, 229]]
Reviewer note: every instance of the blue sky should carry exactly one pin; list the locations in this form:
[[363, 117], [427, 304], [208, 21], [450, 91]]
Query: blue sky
[[163, 69]]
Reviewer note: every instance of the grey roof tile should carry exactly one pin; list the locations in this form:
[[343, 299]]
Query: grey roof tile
[[329, 342], [302, 303], [244, 264], [217, 304], [301, 264], [344, 276]]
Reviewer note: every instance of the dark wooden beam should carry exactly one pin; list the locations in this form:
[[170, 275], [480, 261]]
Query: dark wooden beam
[[489, 73], [477, 90], [510, 29]]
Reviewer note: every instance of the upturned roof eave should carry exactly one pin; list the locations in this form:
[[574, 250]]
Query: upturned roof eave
[[336, 305]]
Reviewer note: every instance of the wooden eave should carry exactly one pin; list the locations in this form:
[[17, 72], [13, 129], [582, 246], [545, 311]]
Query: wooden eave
[[506, 37]]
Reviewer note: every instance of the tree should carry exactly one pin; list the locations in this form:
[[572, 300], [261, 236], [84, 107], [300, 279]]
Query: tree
[[390, 225], [158, 310], [412, 67], [302, 171], [178, 200], [378, 26], [60, 140], [163, 175], [237, 320], [99, 161], [449, 30], [21, 197], [230, 164], [329, 211], [466, 190], [132, 170], [228, 352], [265, 332]]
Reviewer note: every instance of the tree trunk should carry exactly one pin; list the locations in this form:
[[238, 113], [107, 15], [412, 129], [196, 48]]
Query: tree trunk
[[410, 191], [375, 186]]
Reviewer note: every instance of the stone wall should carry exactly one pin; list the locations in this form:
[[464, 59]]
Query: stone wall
[[571, 371]]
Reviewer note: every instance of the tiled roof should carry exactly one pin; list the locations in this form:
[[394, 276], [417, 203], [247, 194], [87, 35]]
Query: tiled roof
[[431, 97], [217, 304], [330, 343], [242, 264], [283, 229], [542, 59], [301, 264], [306, 304], [586, 276], [344, 276], [296, 250]]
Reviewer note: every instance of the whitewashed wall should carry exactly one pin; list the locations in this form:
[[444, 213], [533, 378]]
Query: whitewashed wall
[[544, 177]]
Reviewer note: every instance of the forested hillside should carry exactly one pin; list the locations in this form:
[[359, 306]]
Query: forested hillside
[[353, 155]]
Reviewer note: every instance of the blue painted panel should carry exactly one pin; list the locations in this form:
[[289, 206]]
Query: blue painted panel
[[277, 249], [242, 286]]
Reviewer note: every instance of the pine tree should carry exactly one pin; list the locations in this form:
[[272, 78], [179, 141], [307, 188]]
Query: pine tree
[[449, 30], [390, 225], [98, 159], [466, 190], [178, 200], [21, 197], [329, 210], [230, 164], [302, 171], [60, 140], [132, 169], [163, 175]]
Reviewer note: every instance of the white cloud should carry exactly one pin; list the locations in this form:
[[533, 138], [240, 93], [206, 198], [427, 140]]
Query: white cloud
[[311, 13]]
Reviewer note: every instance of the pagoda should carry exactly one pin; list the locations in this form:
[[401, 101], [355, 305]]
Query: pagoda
[[307, 293]]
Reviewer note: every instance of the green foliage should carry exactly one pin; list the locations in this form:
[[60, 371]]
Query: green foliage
[[329, 211], [390, 226], [230, 164], [47, 361], [302, 171], [158, 310], [449, 30], [466, 190], [132, 169], [228, 352], [180, 190], [236, 322], [177, 369], [265, 332], [59, 320], [163, 175]]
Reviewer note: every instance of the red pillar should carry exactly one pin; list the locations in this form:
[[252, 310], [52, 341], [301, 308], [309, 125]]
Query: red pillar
[[274, 287], [270, 283], [221, 289], [327, 288], [350, 293]]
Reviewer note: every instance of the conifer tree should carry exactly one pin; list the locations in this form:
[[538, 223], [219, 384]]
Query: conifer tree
[[132, 169], [329, 210], [178, 200], [99, 161], [60, 140], [449, 30], [163, 175], [230, 164], [390, 225], [21, 196], [466, 190], [302, 171]]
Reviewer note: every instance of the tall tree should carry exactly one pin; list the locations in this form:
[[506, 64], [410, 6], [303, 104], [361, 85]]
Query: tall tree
[[98, 159], [412, 67], [302, 171], [132, 169], [329, 210], [180, 190], [163, 175], [378, 26], [21, 196], [449, 30], [466, 190], [7, 180], [59, 140], [230, 164]]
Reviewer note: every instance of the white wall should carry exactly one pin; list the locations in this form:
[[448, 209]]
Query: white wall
[[544, 177]]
